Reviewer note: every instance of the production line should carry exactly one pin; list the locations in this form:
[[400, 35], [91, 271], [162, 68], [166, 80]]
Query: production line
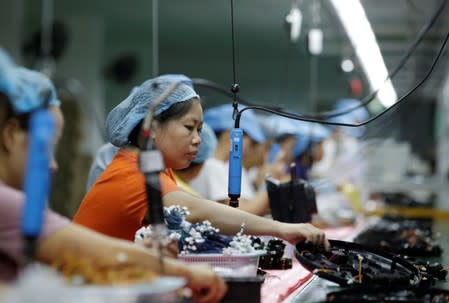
[[199, 192]]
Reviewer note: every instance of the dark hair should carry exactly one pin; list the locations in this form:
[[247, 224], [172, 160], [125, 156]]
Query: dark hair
[[174, 112], [7, 112], [283, 138], [219, 133], [5, 108]]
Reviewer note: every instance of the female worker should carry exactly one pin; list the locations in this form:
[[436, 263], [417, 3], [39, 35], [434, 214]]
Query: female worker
[[309, 146], [116, 204], [21, 92]]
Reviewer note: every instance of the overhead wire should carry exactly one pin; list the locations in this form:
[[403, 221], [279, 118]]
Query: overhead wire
[[235, 87], [391, 74], [320, 117], [399, 101]]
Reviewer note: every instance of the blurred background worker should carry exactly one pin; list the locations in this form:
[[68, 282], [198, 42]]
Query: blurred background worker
[[341, 151], [308, 149], [282, 132], [338, 173], [212, 181], [296, 142]]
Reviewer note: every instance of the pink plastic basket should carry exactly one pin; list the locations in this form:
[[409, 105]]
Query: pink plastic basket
[[228, 265]]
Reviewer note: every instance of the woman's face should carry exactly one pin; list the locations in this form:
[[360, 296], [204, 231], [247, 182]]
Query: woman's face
[[179, 139], [253, 153], [17, 146]]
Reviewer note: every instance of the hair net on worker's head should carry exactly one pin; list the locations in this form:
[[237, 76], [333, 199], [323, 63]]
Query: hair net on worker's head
[[274, 126], [353, 117], [125, 116], [220, 119], [262, 120], [32, 90], [133, 90], [308, 133], [6, 74], [208, 144], [274, 151], [302, 142]]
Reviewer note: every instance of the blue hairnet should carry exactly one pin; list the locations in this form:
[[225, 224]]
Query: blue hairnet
[[275, 126], [125, 116], [353, 117], [308, 132], [6, 74], [302, 142], [169, 77], [274, 151], [220, 119], [32, 90], [358, 115], [208, 144]]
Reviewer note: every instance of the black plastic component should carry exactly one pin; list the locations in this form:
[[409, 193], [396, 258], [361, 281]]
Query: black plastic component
[[243, 289], [273, 259], [351, 264], [389, 294], [234, 203], [412, 237], [430, 272], [291, 202]]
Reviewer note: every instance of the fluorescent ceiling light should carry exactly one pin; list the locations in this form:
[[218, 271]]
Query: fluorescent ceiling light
[[294, 18], [354, 20]]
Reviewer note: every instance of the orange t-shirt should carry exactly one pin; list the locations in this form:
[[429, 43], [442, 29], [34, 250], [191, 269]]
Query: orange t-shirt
[[116, 205]]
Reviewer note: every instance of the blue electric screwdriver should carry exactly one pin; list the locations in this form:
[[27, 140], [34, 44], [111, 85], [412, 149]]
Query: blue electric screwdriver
[[37, 178], [235, 163]]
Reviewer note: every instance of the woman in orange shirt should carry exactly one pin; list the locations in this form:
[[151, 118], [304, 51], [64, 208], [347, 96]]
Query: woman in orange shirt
[[116, 205]]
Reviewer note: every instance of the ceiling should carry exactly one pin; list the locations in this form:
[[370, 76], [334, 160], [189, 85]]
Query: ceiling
[[195, 39], [396, 25]]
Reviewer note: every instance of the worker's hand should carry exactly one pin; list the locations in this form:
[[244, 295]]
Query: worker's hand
[[170, 248], [304, 232], [206, 285]]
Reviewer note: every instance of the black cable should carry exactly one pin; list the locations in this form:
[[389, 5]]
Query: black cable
[[222, 89], [367, 99], [233, 42], [234, 87], [400, 100]]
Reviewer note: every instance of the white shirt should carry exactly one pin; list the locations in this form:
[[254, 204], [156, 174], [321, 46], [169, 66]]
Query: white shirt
[[212, 182], [103, 157], [342, 160]]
